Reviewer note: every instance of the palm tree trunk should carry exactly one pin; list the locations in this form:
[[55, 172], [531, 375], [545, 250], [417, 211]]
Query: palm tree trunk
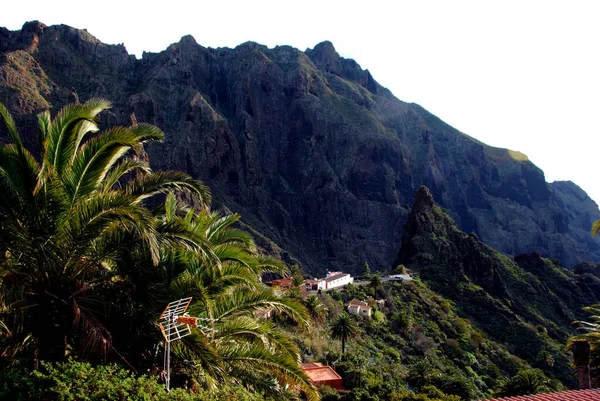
[[51, 325], [343, 345]]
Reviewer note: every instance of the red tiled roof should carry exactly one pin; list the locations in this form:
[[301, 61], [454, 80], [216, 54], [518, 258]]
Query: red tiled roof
[[282, 282], [319, 374], [573, 395]]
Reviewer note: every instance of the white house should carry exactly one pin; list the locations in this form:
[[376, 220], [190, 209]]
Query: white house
[[314, 285], [359, 308], [337, 279]]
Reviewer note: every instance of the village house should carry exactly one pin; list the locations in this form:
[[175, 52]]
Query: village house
[[283, 284], [320, 374], [314, 285], [360, 308], [337, 279]]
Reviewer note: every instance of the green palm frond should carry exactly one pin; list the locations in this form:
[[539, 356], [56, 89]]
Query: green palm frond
[[18, 173], [240, 301], [233, 236], [247, 364], [202, 359], [268, 264], [170, 207], [217, 223], [94, 160], [232, 276], [232, 253], [9, 122], [147, 132], [86, 221], [167, 181], [66, 131], [258, 332], [44, 122], [176, 234], [126, 166]]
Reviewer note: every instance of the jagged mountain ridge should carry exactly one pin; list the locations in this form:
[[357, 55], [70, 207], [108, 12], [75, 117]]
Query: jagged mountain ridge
[[308, 147], [528, 303]]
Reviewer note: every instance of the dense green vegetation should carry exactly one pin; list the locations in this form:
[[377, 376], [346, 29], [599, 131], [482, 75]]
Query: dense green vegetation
[[80, 381], [527, 303], [416, 347], [93, 245]]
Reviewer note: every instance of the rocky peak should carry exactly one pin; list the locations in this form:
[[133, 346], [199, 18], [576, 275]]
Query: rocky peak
[[423, 200], [33, 27], [188, 39], [434, 246], [326, 58]]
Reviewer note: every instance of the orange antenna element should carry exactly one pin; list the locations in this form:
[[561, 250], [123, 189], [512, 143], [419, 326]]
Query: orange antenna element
[[189, 320]]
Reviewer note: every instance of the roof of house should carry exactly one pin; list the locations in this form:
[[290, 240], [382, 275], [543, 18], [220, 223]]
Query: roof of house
[[573, 395], [335, 276], [310, 281], [282, 282], [319, 373], [356, 302]]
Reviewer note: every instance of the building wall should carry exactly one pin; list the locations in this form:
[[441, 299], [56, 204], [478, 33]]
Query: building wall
[[336, 384], [347, 279]]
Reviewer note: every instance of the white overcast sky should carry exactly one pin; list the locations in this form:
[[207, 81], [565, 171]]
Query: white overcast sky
[[523, 75]]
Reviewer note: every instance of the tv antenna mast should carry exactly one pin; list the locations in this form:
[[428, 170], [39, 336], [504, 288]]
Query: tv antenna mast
[[175, 324]]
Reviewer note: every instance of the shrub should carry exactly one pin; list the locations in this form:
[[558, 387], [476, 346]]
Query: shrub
[[79, 381], [329, 394]]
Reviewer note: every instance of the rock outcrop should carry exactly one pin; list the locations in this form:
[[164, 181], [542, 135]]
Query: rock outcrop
[[318, 157], [527, 303]]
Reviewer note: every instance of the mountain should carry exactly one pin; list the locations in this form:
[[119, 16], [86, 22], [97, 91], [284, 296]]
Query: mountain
[[318, 158], [527, 303]]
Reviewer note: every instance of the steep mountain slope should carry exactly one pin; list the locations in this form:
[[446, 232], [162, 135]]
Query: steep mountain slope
[[315, 154], [527, 303]]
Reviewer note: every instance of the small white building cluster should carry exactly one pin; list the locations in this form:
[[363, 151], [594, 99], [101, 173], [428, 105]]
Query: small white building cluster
[[332, 280]]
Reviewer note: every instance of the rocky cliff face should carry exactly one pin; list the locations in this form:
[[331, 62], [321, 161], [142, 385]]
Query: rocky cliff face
[[527, 303], [308, 147]]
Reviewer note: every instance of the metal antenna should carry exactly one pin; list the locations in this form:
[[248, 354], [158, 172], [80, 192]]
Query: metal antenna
[[175, 324]]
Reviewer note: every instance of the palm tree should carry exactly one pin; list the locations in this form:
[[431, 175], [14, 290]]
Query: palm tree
[[62, 219], [525, 382], [222, 273], [343, 328], [375, 283], [315, 308], [592, 336]]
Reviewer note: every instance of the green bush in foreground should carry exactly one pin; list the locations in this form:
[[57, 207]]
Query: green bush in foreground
[[83, 382]]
